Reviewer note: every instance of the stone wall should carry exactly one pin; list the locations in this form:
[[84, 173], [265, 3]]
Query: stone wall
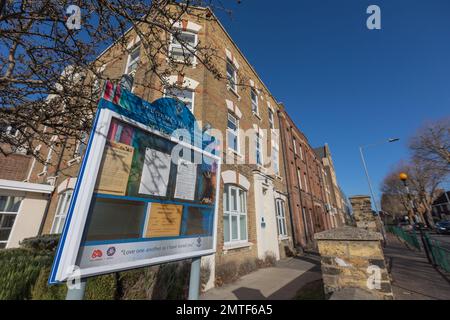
[[362, 212], [352, 258]]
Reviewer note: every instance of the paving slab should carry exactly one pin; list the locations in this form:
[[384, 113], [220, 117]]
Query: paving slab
[[413, 277], [280, 282]]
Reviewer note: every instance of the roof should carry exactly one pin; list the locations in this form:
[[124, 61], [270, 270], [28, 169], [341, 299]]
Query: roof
[[442, 198]]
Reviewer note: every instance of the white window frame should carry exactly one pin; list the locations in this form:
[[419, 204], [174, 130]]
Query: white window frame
[[280, 210], [276, 159], [299, 178], [166, 94], [255, 103], [234, 132], [295, 145], [8, 131], [232, 76], [301, 151], [259, 142], [15, 213], [61, 211], [131, 62], [49, 155], [271, 119], [235, 213], [184, 49], [306, 182]]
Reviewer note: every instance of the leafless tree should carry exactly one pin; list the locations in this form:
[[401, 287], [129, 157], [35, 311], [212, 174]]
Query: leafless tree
[[423, 183], [432, 144], [49, 72]]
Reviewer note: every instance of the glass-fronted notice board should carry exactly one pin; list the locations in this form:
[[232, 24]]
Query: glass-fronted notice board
[[144, 195]]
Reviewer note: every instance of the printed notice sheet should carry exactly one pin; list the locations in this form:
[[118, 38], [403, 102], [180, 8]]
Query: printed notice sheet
[[114, 169], [163, 220], [186, 179], [155, 173]]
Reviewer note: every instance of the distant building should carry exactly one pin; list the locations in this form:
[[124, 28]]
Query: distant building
[[441, 206], [338, 205]]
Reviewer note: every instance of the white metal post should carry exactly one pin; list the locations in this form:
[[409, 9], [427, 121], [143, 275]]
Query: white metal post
[[194, 281], [372, 193]]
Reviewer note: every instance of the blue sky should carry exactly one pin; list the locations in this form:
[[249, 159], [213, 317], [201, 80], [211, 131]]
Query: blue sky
[[344, 84]]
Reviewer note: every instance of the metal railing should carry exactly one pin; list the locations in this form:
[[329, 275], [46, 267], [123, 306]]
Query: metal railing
[[408, 237], [440, 255]]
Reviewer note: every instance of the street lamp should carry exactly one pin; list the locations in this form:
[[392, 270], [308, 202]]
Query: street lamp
[[404, 178], [370, 183]]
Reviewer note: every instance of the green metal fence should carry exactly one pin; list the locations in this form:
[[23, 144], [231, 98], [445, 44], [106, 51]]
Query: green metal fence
[[440, 255], [409, 237]]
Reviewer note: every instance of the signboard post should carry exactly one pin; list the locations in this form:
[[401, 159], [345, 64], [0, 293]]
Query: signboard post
[[146, 193]]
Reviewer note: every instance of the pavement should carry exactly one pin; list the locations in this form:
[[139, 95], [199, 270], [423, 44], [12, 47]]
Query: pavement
[[280, 282], [413, 278]]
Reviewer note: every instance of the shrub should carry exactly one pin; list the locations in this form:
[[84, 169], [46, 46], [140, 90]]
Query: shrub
[[42, 291], [226, 273], [101, 288], [172, 281], [47, 242], [248, 266], [205, 273], [137, 284], [270, 260], [19, 270]]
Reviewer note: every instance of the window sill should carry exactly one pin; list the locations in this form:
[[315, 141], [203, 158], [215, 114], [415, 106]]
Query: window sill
[[261, 168], [238, 245], [256, 115], [234, 91], [234, 152], [281, 238], [41, 174], [278, 177], [74, 160], [192, 64]]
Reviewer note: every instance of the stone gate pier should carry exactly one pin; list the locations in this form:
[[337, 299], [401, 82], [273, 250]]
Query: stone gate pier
[[352, 259]]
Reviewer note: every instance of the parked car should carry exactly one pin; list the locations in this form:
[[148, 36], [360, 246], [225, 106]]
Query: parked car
[[420, 226], [405, 226], [443, 227]]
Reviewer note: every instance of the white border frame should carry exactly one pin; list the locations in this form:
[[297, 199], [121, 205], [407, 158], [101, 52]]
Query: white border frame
[[74, 228]]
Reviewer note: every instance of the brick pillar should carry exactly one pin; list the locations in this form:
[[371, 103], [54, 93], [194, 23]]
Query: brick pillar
[[352, 260], [362, 212]]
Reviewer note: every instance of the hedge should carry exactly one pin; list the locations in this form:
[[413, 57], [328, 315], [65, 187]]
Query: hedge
[[24, 274]]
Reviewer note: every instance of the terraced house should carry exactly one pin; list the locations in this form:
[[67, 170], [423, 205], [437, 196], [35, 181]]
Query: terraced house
[[256, 199]]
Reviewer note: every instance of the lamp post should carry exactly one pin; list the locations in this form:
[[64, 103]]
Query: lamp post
[[404, 178], [370, 183]]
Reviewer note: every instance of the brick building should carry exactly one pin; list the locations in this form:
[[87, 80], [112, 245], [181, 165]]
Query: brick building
[[22, 204], [307, 189], [338, 205], [254, 216]]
